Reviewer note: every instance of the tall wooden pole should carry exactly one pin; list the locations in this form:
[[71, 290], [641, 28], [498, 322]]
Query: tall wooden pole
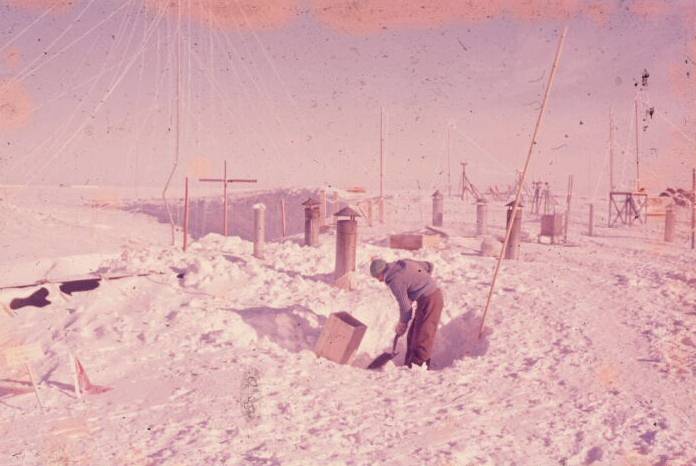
[[186, 214], [637, 160], [449, 165], [693, 207], [524, 174], [178, 123], [381, 156], [224, 201], [381, 166], [611, 151]]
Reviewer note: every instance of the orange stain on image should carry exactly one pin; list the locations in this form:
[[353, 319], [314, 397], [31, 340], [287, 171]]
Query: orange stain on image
[[368, 16], [199, 167], [225, 14], [15, 105]]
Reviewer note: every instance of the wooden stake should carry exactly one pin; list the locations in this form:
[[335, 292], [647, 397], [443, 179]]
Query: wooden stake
[[224, 201], [524, 173], [186, 212], [282, 217], [30, 371]]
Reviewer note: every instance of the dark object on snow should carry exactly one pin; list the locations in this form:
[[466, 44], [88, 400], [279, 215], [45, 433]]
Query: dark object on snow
[[79, 285], [384, 358], [37, 298], [644, 77]]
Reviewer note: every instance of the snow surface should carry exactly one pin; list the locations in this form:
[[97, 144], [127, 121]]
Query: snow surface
[[589, 353]]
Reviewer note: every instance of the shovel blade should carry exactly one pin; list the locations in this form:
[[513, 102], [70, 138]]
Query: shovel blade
[[381, 360]]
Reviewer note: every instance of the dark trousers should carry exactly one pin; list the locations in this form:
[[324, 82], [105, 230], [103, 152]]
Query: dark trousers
[[421, 334]]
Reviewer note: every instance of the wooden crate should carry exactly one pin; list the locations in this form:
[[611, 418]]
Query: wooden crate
[[413, 241], [340, 337]]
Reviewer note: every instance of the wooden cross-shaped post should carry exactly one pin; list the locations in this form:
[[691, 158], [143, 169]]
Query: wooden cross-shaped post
[[224, 180]]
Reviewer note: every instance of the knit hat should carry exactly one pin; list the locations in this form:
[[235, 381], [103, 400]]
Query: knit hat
[[377, 266]]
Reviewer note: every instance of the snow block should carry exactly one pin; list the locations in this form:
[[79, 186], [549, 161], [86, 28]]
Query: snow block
[[413, 241], [340, 337]]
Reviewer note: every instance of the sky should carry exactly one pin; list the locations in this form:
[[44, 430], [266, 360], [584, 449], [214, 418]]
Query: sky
[[290, 91]]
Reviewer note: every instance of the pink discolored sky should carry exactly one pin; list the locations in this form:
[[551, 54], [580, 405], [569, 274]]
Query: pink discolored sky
[[290, 91]]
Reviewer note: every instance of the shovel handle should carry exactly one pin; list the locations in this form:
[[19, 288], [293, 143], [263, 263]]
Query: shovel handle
[[396, 338]]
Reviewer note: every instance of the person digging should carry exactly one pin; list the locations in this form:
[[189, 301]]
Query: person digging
[[409, 281]]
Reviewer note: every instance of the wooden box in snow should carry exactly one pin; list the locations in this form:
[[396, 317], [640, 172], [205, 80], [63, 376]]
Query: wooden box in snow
[[413, 241], [340, 337]]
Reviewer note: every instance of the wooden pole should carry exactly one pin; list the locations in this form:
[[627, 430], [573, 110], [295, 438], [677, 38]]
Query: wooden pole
[[312, 221], [322, 208], [669, 223], [283, 224], [464, 186], [30, 371], [590, 223], [611, 150], [186, 212], [481, 217], [514, 225], [381, 166], [381, 155], [259, 230], [693, 207], [524, 173], [438, 209], [335, 205], [177, 147], [224, 200], [637, 160], [569, 197], [449, 165]]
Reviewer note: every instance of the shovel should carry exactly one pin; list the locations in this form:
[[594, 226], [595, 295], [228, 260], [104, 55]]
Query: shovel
[[384, 358]]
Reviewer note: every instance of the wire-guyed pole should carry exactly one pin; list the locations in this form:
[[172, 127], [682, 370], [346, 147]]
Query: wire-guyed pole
[[522, 177]]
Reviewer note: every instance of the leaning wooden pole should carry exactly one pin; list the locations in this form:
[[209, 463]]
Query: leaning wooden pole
[[524, 174]]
